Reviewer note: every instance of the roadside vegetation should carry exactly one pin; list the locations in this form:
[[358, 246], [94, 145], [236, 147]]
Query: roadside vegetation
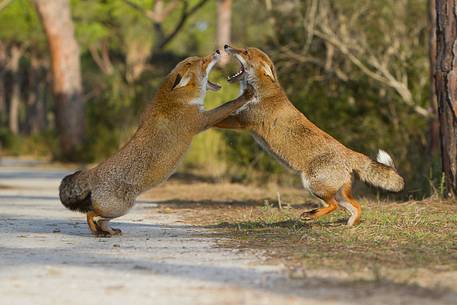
[[395, 239], [358, 69]]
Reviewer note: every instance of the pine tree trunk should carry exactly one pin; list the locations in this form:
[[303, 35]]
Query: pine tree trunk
[[36, 103], [224, 12], [69, 109], [433, 136], [446, 88], [13, 114], [2, 84]]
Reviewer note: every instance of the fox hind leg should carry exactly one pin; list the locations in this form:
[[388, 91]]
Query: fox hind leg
[[347, 202], [100, 226], [316, 213], [322, 191], [94, 228]]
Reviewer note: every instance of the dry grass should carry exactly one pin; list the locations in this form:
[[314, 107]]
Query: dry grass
[[392, 236], [413, 234]]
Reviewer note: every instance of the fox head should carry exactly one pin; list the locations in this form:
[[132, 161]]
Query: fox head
[[257, 69], [188, 81]]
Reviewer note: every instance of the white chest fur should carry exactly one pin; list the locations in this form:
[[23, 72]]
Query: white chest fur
[[199, 102]]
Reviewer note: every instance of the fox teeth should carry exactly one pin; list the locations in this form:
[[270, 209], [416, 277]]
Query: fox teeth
[[236, 74]]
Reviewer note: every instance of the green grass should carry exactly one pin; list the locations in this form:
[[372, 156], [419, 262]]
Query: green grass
[[38, 145], [408, 235]]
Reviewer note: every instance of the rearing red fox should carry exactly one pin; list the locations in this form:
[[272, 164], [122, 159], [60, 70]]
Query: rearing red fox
[[324, 164]]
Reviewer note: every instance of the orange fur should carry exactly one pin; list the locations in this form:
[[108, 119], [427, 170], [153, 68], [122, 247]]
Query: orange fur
[[347, 195], [331, 206], [90, 221], [165, 133], [325, 165]]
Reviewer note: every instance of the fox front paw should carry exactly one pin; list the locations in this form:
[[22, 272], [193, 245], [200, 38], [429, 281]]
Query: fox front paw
[[105, 230], [108, 233]]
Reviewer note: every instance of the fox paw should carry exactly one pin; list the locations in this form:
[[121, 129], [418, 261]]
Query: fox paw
[[116, 231], [105, 231], [112, 232], [103, 234]]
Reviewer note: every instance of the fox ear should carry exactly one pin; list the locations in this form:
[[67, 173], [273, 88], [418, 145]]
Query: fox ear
[[269, 71], [181, 81]]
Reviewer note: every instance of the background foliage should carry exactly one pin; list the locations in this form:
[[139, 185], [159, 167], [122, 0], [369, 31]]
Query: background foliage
[[359, 69]]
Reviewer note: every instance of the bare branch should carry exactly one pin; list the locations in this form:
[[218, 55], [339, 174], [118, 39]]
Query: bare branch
[[355, 47], [147, 13], [381, 74], [160, 12], [310, 24], [185, 14], [102, 59], [278, 195]]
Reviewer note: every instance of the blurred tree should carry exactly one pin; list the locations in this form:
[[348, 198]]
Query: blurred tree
[[433, 139], [356, 68], [224, 24], [13, 67], [2, 84], [4, 3], [158, 15], [37, 84], [23, 68], [64, 49], [335, 25], [446, 89]]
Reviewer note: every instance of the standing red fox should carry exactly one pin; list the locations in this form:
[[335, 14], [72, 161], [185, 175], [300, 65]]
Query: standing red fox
[[324, 164], [166, 130]]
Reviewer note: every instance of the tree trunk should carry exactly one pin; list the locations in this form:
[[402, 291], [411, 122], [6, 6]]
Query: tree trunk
[[36, 103], [2, 84], [69, 108], [13, 114], [446, 89], [433, 136], [2, 100], [224, 12]]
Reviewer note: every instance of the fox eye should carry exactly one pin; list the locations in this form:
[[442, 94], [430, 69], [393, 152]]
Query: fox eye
[[245, 51]]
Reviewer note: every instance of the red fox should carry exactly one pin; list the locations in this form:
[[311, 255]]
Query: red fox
[[166, 129], [324, 164]]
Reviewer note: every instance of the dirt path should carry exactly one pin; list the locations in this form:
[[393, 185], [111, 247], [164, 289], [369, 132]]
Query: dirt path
[[47, 256]]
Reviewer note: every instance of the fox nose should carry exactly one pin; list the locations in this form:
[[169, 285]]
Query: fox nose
[[226, 46], [218, 52]]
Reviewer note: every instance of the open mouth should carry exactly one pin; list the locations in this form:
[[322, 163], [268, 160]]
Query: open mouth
[[237, 76], [209, 84]]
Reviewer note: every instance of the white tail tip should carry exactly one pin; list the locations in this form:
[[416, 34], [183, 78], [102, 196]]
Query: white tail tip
[[384, 158]]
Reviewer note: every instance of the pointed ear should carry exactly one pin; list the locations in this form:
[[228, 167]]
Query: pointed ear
[[269, 71], [181, 80]]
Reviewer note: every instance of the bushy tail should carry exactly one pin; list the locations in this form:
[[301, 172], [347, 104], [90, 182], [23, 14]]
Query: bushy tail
[[74, 193], [380, 173]]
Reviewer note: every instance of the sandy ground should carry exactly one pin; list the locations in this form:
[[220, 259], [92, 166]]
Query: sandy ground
[[47, 256]]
